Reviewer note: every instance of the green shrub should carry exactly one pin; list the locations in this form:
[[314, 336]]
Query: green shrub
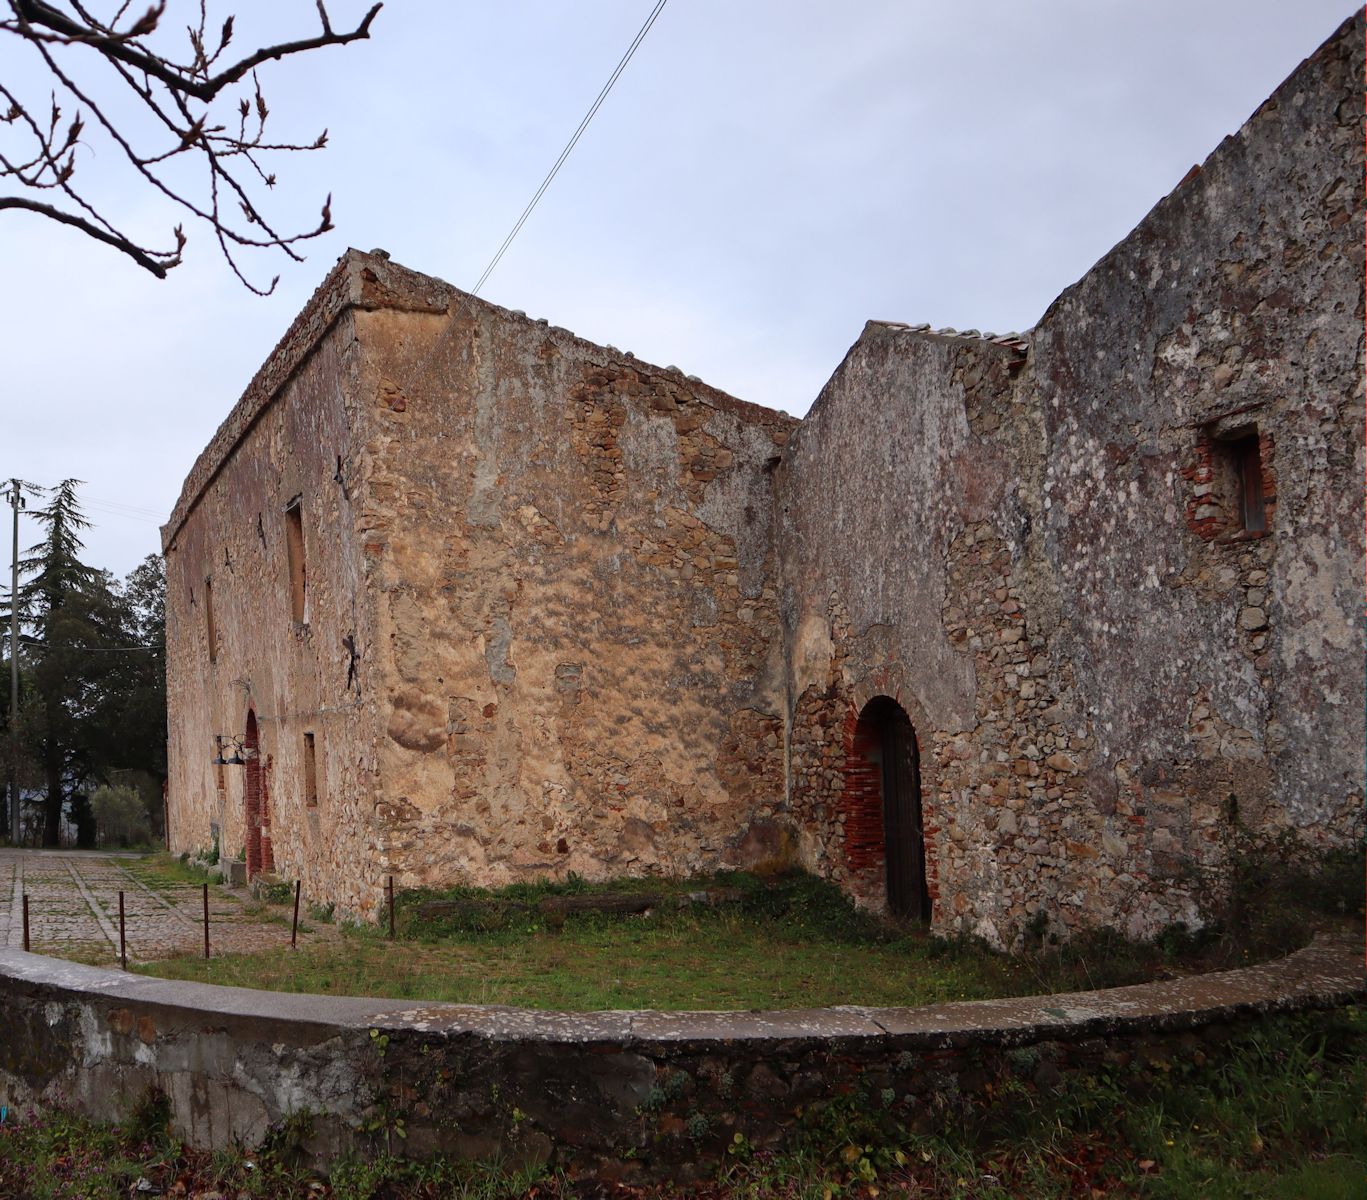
[[121, 817]]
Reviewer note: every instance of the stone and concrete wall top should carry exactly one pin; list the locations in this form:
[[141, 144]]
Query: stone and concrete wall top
[[601, 1091], [348, 285]]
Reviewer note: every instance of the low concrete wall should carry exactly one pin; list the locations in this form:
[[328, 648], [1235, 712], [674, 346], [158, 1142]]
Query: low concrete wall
[[614, 1092]]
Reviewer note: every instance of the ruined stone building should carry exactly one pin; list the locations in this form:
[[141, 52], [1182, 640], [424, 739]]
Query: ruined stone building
[[1003, 626]]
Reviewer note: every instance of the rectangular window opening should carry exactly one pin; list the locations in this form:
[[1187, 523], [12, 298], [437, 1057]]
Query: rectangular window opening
[[1238, 470], [294, 550], [1252, 509], [310, 772], [210, 629]]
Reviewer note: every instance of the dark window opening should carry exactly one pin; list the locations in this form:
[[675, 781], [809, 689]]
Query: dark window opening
[[1237, 461], [294, 551], [310, 772], [1252, 510], [210, 629]]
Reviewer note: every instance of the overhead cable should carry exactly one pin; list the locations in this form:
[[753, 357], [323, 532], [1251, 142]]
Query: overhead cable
[[570, 145]]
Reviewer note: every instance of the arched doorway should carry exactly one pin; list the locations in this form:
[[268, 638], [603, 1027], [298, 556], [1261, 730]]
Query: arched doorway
[[251, 794], [886, 741]]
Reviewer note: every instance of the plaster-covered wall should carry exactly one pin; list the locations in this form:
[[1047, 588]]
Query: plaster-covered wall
[[571, 558], [1032, 554]]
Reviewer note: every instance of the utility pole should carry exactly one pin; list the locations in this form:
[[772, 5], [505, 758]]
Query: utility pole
[[16, 499]]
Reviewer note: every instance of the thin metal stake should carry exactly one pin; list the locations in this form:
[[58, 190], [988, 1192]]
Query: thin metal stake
[[26, 921], [391, 907], [123, 938], [294, 930], [206, 920]]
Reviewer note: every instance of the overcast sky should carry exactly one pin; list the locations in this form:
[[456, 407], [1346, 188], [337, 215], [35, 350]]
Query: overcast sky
[[766, 176]]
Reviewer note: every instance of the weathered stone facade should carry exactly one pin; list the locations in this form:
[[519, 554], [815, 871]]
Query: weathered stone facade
[[539, 630], [1038, 550], [550, 608]]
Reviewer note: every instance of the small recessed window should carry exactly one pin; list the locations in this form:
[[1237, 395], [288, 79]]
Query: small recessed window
[[310, 772], [1249, 462], [210, 629], [294, 552], [1239, 481]]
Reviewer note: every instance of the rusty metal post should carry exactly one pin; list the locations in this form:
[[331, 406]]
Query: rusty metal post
[[206, 920], [123, 937], [26, 921], [391, 908], [294, 929]]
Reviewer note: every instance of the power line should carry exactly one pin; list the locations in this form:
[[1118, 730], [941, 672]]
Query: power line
[[141, 510], [570, 145], [118, 508], [127, 516], [123, 507]]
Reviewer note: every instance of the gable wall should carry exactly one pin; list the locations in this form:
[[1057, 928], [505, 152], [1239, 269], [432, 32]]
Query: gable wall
[[571, 556]]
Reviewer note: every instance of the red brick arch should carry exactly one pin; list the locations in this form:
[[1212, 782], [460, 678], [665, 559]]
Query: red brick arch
[[861, 800]]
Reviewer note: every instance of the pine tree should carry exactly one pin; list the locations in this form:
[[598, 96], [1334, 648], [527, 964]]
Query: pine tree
[[67, 608], [129, 731], [93, 658]]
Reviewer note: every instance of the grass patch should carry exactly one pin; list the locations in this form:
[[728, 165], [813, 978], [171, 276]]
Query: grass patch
[[786, 942], [1280, 1114], [166, 872], [680, 963], [93, 953]]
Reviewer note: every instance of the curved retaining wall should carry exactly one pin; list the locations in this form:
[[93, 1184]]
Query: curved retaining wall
[[614, 1092]]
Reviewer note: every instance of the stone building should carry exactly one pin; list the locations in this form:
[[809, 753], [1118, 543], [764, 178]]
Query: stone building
[[1004, 626]]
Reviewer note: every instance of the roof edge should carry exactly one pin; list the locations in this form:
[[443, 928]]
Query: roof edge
[[370, 281], [1351, 28], [1017, 342], [330, 299]]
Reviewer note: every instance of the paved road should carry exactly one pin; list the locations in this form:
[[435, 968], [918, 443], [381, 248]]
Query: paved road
[[74, 910]]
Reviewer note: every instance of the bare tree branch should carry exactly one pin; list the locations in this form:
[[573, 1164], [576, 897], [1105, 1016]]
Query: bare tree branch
[[185, 80], [177, 96], [156, 262]]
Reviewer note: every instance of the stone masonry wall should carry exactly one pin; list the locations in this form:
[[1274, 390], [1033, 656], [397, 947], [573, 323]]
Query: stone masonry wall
[[296, 677], [568, 611], [570, 552], [882, 503], [1043, 557], [626, 1096]]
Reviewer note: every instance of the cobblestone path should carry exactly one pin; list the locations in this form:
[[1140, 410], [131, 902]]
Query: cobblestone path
[[74, 910]]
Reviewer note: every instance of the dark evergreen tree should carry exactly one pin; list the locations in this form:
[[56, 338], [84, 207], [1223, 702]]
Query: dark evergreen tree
[[130, 727], [70, 615], [94, 661]]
